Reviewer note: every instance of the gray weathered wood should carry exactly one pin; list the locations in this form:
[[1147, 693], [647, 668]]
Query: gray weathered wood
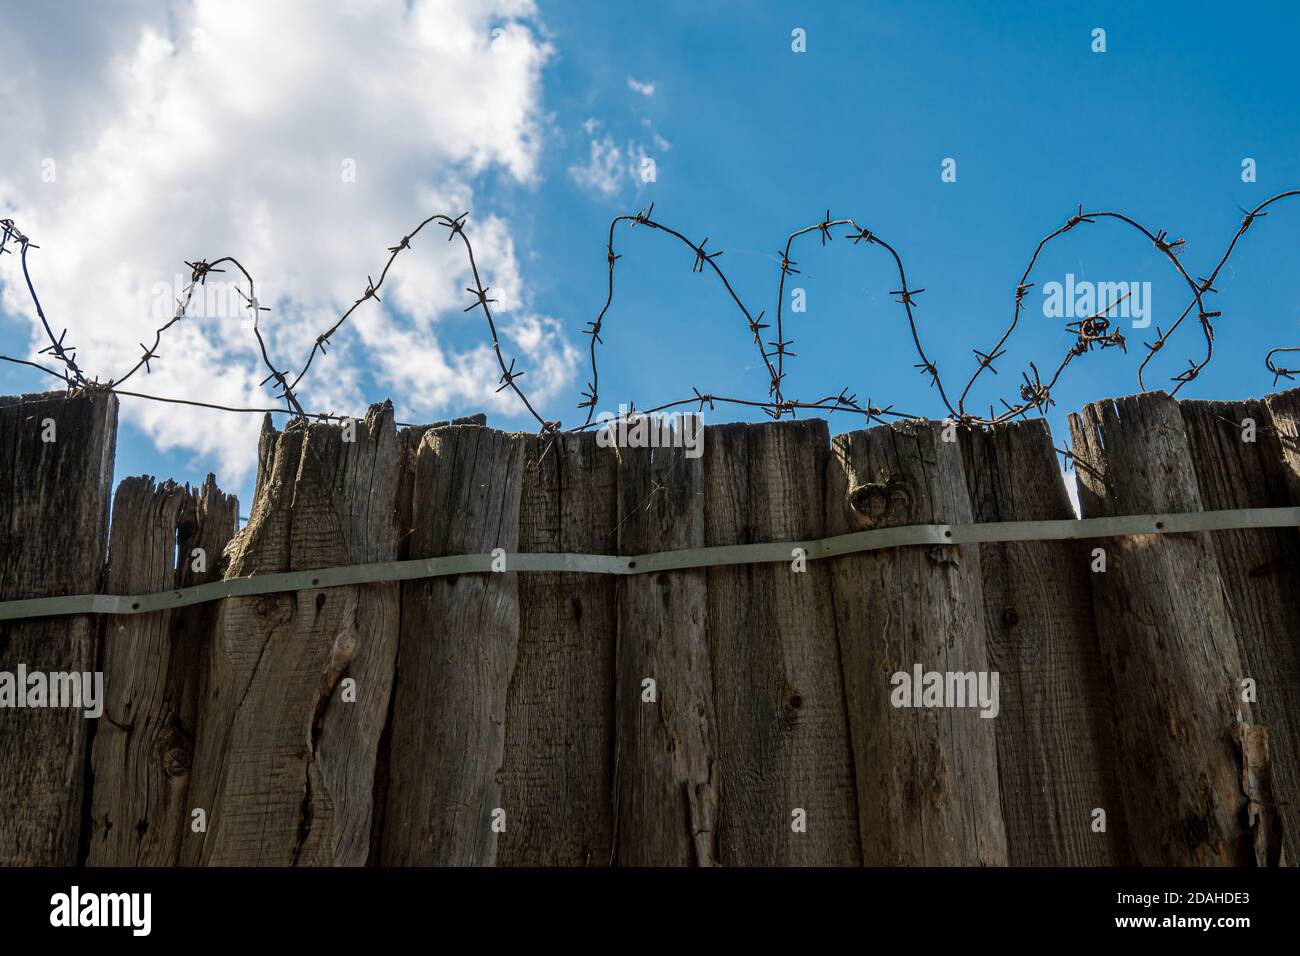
[[53, 536], [1260, 570], [458, 649], [927, 777], [408, 445], [559, 734], [284, 764], [1167, 639], [211, 523], [779, 699], [1284, 421], [667, 766], [143, 746], [1055, 731], [523, 692]]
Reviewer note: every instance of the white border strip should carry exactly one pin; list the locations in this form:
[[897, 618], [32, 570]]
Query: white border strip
[[854, 543]]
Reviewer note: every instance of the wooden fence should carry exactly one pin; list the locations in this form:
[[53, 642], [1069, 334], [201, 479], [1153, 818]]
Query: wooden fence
[[736, 715]]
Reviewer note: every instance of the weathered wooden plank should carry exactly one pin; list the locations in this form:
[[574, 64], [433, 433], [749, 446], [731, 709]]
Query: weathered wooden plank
[[559, 735], [408, 445], [927, 776], [137, 803], [1055, 730], [1238, 460], [54, 497], [220, 685], [667, 766], [285, 759], [779, 700], [209, 525], [1167, 638], [1283, 410], [143, 746], [458, 649]]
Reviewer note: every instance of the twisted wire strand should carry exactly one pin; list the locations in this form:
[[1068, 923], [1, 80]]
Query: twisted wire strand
[[1035, 392]]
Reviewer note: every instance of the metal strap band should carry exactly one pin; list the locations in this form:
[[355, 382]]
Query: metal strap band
[[854, 543]]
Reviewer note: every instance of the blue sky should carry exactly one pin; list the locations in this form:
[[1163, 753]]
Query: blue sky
[[750, 141]]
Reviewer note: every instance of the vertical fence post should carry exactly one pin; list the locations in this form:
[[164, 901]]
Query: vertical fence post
[[459, 641], [1055, 732], [667, 766], [1238, 460], [1284, 422], [559, 734], [927, 775], [56, 475], [143, 748], [1167, 638], [298, 683], [787, 772]]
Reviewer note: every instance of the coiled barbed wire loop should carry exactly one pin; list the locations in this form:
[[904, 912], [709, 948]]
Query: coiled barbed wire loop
[[1034, 392]]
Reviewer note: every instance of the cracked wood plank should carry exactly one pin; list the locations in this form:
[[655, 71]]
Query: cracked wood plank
[[1167, 638], [779, 699], [459, 641], [53, 536], [1259, 569], [927, 777], [559, 744], [1055, 731], [667, 766], [144, 744], [284, 766]]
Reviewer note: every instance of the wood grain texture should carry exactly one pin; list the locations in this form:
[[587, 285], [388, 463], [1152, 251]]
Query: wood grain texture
[[1055, 732], [458, 649], [523, 692], [667, 766], [144, 744], [54, 500], [1260, 569], [284, 765], [408, 447], [779, 697], [556, 782], [1167, 640], [1283, 410], [927, 776]]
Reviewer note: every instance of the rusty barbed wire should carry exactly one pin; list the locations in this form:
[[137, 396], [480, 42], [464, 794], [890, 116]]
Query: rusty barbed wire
[[1035, 391], [1280, 372], [76, 380]]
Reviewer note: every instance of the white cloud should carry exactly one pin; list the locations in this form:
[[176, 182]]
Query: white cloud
[[660, 143], [645, 89], [186, 130], [610, 167], [606, 168]]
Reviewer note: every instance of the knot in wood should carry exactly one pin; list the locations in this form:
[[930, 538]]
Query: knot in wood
[[880, 504], [176, 751]]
